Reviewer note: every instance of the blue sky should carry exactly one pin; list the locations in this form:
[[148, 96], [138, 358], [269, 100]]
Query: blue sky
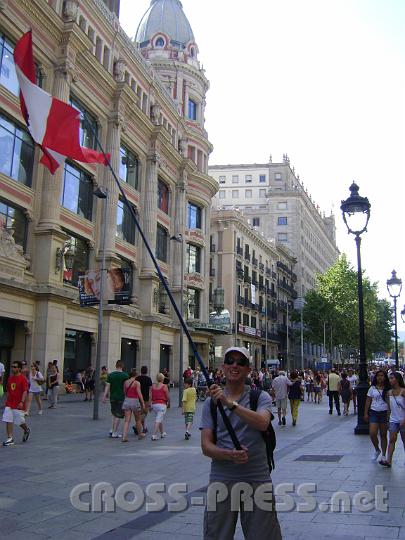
[[324, 81]]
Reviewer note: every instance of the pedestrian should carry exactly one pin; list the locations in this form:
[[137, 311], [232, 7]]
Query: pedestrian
[[295, 395], [146, 384], [396, 411], [47, 372], [280, 392], [53, 386], [353, 379], [188, 405], [89, 383], [160, 399], [318, 388], [115, 390], [15, 406], [345, 393], [229, 466], [188, 372], [333, 391], [133, 405], [36, 380], [103, 378], [309, 386], [375, 412]]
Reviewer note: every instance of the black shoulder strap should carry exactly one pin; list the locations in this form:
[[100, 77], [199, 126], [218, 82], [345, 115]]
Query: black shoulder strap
[[254, 399], [214, 414]]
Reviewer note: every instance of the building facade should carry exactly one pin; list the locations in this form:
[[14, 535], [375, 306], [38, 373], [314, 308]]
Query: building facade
[[144, 101], [258, 281], [276, 202]]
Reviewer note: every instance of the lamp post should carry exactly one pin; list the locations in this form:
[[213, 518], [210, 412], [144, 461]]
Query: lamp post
[[356, 215], [100, 193], [394, 286], [179, 238]]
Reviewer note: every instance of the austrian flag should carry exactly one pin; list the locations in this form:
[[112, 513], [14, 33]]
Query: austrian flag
[[53, 124]]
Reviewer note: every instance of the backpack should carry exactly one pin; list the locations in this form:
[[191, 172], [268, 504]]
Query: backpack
[[269, 435]]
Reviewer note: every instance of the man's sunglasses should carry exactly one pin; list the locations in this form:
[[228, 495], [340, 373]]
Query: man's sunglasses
[[242, 362], [15, 367]]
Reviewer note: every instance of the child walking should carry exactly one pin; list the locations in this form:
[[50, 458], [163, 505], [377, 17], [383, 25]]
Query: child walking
[[189, 399]]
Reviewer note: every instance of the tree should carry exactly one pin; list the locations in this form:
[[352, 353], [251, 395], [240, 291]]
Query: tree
[[333, 305]]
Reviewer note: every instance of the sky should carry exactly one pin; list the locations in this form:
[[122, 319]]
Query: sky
[[324, 82]]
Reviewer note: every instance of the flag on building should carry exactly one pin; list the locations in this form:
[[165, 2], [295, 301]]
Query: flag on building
[[53, 124]]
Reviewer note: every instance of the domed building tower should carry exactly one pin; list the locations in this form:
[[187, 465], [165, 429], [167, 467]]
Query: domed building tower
[[166, 39]]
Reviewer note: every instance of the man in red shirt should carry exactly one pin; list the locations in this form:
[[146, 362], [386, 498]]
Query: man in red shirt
[[17, 390]]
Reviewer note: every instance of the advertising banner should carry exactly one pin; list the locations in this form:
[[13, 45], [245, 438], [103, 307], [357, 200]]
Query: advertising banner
[[117, 287]]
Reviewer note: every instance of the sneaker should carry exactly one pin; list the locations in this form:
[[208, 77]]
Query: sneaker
[[187, 435], [26, 435], [330, 412], [284, 421], [154, 437], [9, 442], [384, 463], [163, 435], [375, 455], [116, 435], [40, 412]]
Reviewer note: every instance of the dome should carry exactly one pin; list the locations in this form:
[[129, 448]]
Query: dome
[[167, 17]]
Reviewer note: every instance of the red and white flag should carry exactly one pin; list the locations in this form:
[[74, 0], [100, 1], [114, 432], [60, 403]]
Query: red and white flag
[[53, 124]]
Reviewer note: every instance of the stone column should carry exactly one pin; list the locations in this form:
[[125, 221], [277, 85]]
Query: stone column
[[179, 228], [150, 211]]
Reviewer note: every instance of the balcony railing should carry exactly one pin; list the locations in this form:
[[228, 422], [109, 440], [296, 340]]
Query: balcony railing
[[255, 282], [274, 275], [247, 279], [268, 271], [255, 261], [261, 267], [212, 248], [239, 273], [247, 256], [282, 305], [239, 251], [241, 300], [212, 272]]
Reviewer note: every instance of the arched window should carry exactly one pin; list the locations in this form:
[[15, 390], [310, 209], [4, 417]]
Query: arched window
[[160, 42], [192, 52]]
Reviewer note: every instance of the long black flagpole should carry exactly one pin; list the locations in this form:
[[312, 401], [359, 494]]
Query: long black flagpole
[[165, 285]]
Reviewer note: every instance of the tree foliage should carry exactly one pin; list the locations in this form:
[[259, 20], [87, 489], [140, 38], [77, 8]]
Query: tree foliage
[[333, 306]]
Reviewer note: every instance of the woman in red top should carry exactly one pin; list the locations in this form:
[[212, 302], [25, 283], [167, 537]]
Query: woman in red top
[[133, 404], [160, 399]]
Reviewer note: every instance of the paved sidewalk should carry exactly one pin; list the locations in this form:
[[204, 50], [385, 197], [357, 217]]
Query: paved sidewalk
[[68, 448]]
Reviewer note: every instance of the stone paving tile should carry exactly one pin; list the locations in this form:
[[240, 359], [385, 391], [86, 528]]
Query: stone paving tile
[[368, 530]]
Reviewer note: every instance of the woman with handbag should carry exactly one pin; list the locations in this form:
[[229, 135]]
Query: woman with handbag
[[36, 380], [133, 404]]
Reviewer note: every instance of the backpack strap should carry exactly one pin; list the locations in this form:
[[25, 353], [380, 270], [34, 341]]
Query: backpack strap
[[254, 399], [214, 415]]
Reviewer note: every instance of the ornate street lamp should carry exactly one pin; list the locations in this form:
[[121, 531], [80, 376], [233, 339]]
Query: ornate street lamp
[[356, 215], [394, 286]]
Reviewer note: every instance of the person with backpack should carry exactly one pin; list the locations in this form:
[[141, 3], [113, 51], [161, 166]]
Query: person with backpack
[[249, 413]]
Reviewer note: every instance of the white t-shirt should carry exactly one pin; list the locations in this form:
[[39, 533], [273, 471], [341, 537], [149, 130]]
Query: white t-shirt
[[34, 386], [280, 386], [353, 381], [1, 369], [377, 402]]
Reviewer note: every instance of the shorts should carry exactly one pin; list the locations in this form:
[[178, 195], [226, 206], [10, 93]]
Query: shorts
[[131, 404], [377, 417], [395, 427], [160, 410], [188, 417], [116, 409], [317, 389], [281, 403], [13, 416], [89, 385]]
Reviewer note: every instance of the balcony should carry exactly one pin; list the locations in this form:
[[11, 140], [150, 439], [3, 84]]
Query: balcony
[[274, 275], [255, 282], [262, 288], [282, 305], [241, 300], [247, 279], [255, 261], [247, 257], [239, 251], [212, 272], [239, 273], [261, 267], [213, 248], [268, 271], [294, 277]]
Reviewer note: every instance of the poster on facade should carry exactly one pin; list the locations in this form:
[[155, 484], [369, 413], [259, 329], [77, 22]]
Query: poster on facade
[[253, 289], [117, 287]]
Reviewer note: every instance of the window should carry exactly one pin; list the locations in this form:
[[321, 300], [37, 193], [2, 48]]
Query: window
[[248, 193], [193, 304], [17, 152], [282, 237], [262, 193], [248, 178], [235, 194], [277, 176], [222, 179], [129, 167], [262, 178], [256, 222], [235, 179], [80, 249], [245, 319], [192, 110], [253, 322], [282, 221], [163, 197], [125, 223], [193, 259], [161, 243], [8, 77], [282, 205], [222, 194], [194, 213], [88, 125], [160, 42], [77, 193], [14, 221]]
